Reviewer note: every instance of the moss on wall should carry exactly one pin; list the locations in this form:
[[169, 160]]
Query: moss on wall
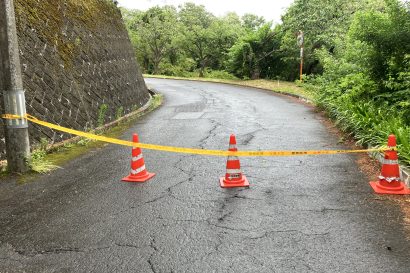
[[49, 18]]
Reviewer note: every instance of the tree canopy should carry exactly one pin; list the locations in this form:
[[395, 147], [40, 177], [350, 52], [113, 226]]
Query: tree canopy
[[356, 54]]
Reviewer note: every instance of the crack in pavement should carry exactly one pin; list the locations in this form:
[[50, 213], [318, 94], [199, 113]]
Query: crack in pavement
[[176, 165], [154, 247], [210, 133], [168, 191], [247, 197], [225, 215], [248, 137], [49, 251], [181, 220], [268, 233], [324, 209], [231, 228], [255, 260], [234, 196], [66, 250], [156, 198], [209, 222]]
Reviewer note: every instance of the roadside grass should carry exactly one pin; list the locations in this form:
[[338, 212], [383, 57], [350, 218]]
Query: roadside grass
[[288, 88], [40, 164], [368, 124], [44, 159]]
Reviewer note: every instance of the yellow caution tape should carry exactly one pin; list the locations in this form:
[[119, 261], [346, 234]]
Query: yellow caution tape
[[187, 150], [10, 116]]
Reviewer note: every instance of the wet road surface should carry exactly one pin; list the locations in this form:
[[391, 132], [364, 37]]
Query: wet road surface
[[300, 214]]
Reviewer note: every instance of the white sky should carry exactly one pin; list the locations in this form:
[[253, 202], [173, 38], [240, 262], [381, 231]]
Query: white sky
[[270, 9]]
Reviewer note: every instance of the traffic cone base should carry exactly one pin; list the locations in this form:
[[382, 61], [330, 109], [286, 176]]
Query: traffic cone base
[[234, 184], [392, 188], [135, 178]]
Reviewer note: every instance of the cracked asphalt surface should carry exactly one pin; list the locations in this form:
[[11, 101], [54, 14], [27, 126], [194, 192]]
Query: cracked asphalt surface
[[300, 214]]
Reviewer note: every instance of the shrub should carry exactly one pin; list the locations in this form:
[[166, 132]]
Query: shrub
[[219, 74]]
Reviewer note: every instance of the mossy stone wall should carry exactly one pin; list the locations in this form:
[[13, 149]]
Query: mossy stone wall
[[76, 57]]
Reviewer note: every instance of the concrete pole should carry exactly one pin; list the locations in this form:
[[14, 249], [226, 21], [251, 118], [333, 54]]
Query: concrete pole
[[11, 84]]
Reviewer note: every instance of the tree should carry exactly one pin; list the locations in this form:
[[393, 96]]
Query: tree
[[252, 56], [132, 18], [388, 35], [322, 21], [252, 22], [224, 32], [195, 37], [156, 30]]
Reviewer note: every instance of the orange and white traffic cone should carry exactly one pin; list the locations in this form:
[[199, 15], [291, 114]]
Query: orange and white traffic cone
[[389, 179], [138, 171], [233, 177]]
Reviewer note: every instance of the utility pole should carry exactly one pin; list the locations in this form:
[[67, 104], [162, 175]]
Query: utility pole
[[301, 42], [11, 84]]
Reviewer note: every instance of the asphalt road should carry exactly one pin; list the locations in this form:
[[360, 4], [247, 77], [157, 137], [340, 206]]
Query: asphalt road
[[300, 214]]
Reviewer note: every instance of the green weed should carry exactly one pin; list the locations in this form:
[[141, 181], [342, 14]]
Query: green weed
[[119, 113], [101, 115], [369, 124], [39, 164]]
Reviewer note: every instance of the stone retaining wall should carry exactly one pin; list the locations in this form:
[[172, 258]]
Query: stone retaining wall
[[78, 65]]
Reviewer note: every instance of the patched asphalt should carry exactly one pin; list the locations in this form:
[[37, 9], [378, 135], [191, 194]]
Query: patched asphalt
[[300, 214]]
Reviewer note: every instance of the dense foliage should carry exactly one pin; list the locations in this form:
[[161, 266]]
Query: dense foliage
[[189, 41], [365, 84], [357, 56]]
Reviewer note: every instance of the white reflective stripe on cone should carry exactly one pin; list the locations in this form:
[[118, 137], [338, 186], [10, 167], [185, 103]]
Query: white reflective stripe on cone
[[389, 179], [232, 158], [135, 158], [137, 171], [233, 171], [390, 162], [235, 175], [232, 146]]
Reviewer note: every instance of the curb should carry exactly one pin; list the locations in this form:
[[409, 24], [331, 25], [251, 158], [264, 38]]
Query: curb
[[144, 108]]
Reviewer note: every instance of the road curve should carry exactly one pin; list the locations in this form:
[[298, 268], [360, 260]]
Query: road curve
[[300, 214]]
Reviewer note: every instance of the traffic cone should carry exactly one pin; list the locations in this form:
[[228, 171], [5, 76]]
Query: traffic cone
[[138, 171], [389, 178], [233, 177]]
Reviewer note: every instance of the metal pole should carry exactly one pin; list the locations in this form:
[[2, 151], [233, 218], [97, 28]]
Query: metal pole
[[301, 43], [11, 84], [301, 62]]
